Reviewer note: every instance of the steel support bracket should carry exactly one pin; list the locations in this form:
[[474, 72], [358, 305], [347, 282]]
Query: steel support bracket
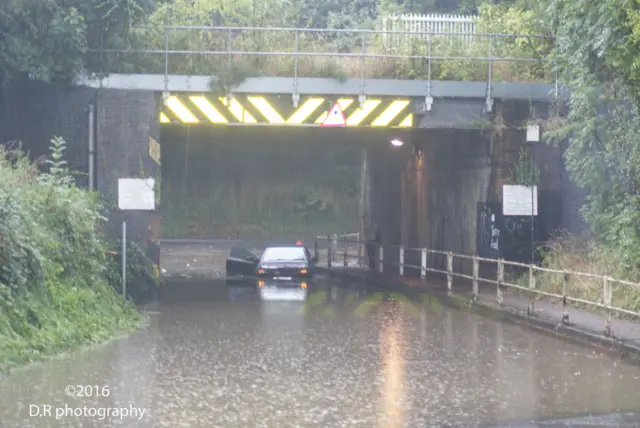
[[488, 105], [361, 99], [428, 103]]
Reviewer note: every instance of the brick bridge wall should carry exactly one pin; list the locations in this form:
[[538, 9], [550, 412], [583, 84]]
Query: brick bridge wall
[[33, 113], [430, 200]]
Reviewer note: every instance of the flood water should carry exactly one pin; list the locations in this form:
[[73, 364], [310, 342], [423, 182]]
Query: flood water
[[327, 356]]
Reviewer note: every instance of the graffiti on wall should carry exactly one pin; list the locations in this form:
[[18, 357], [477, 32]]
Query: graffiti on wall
[[489, 229]]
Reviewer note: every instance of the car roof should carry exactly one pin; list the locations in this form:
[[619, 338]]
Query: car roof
[[284, 246]]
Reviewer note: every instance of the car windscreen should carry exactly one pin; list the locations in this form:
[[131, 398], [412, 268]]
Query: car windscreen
[[284, 254]]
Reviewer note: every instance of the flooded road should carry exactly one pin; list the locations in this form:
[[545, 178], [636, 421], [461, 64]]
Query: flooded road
[[326, 356]]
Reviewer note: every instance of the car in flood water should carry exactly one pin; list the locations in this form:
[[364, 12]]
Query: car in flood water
[[286, 263]]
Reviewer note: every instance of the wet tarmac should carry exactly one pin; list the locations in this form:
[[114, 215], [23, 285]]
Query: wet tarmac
[[328, 355]]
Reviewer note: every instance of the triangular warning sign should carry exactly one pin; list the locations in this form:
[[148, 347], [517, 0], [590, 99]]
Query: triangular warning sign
[[335, 117]]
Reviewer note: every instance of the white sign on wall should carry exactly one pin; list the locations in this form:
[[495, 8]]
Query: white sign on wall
[[516, 200], [136, 194]]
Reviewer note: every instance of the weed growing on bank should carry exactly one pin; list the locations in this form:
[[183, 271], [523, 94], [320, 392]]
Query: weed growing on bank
[[55, 292], [587, 255]]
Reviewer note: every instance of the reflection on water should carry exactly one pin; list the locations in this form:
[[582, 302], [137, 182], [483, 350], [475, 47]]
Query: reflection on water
[[249, 356], [392, 367], [288, 291]]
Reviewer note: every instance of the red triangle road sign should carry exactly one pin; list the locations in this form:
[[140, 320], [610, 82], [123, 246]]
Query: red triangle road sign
[[335, 117]]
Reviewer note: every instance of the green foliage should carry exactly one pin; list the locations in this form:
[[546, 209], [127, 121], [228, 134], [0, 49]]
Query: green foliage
[[54, 269], [232, 69], [595, 45], [48, 40], [589, 255], [523, 172]]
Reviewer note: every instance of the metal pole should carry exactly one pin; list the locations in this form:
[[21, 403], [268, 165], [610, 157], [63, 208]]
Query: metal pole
[[166, 59], [296, 95], [362, 62], [532, 182], [91, 150], [363, 203], [124, 259]]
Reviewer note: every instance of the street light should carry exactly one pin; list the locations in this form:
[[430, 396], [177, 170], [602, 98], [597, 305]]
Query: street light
[[533, 136], [397, 143]]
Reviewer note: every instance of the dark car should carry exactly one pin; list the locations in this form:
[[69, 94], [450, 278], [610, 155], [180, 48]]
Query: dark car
[[241, 263], [286, 263]]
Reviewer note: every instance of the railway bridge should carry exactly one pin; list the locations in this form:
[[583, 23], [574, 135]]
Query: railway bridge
[[460, 137]]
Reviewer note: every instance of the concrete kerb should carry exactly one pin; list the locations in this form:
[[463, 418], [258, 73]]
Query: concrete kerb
[[626, 350]]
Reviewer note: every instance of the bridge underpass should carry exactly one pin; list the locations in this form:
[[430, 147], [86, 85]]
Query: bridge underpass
[[336, 354], [243, 182]]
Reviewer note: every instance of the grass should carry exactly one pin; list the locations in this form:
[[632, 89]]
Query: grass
[[324, 62], [584, 254]]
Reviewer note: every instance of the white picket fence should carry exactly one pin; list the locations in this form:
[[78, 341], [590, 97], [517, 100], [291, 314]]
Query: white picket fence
[[458, 27]]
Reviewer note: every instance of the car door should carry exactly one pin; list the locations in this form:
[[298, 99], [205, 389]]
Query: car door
[[241, 262]]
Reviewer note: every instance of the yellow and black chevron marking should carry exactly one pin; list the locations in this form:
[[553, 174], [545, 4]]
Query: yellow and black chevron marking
[[279, 111]]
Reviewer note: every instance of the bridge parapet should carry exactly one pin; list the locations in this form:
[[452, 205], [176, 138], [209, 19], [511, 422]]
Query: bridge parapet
[[236, 54]]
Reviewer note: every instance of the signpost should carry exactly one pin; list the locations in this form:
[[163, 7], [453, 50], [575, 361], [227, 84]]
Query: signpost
[[335, 118], [134, 194]]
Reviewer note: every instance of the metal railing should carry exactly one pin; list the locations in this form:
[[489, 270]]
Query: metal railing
[[333, 240], [605, 285], [306, 52]]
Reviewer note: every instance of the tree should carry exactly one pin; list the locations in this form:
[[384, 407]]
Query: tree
[[47, 40], [40, 39], [598, 47]]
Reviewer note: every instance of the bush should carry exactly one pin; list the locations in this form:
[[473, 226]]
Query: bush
[[54, 269], [586, 254]]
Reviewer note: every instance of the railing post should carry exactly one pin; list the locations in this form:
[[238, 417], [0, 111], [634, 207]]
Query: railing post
[[565, 309], [476, 269], [334, 242], [166, 60], [329, 251], [296, 95], [401, 261], [362, 62], [532, 285], [360, 251], [423, 264], [381, 260], [500, 281], [346, 252], [449, 272], [607, 303], [229, 58]]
